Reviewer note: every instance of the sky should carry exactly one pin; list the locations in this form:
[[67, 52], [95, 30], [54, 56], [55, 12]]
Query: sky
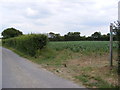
[[58, 16]]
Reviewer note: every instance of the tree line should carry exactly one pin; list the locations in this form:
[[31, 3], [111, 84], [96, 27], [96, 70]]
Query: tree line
[[70, 36], [75, 36]]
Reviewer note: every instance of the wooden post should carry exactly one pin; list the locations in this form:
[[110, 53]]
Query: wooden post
[[111, 45]]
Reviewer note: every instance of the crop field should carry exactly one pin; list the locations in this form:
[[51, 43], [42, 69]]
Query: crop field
[[84, 62], [83, 46]]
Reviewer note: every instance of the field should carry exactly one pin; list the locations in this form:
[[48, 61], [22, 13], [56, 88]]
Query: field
[[83, 46], [84, 62]]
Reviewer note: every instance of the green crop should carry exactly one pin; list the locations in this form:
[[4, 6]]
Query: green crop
[[82, 46]]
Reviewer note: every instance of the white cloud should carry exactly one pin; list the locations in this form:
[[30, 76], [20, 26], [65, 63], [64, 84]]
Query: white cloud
[[31, 12], [59, 16]]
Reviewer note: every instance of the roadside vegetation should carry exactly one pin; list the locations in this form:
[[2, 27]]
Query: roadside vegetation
[[84, 62], [87, 65], [27, 44], [0, 42]]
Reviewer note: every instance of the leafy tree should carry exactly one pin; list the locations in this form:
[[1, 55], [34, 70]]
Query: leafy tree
[[51, 35], [57, 37], [75, 36], [104, 37], [96, 36], [11, 32], [72, 36], [54, 37], [89, 38]]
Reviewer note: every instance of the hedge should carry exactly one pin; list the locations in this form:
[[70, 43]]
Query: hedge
[[28, 44]]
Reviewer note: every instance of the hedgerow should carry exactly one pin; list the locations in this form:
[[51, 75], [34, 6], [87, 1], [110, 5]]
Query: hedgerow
[[28, 44]]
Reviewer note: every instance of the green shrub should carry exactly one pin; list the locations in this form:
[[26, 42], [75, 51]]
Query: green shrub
[[28, 44]]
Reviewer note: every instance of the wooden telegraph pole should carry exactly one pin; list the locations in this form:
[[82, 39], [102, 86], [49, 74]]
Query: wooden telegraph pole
[[111, 44]]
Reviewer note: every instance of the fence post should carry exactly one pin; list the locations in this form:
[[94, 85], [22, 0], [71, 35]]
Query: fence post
[[111, 44]]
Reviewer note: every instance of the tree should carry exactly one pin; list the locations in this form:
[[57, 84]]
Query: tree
[[105, 37], [96, 36], [57, 37], [11, 32], [51, 35], [72, 36]]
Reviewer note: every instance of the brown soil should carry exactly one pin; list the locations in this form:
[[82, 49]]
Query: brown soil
[[91, 65]]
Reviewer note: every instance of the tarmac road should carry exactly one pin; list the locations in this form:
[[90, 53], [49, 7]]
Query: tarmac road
[[18, 72], [0, 67]]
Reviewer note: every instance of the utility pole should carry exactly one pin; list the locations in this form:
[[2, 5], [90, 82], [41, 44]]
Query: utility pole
[[111, 44]]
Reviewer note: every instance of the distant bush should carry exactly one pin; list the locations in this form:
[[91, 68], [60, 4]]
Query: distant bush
[[28, 44]]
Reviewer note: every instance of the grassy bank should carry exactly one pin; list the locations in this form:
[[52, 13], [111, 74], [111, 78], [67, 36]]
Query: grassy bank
[[0, 42], [85, 63]]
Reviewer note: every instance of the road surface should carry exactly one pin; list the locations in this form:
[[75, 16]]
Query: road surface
[[18, 72], [0, 67]]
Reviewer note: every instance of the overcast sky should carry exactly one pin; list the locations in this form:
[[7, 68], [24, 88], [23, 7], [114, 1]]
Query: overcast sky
[[58, 16]]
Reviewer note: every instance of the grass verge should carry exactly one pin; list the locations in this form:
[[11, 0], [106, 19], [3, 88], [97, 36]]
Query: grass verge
[[91, 70]]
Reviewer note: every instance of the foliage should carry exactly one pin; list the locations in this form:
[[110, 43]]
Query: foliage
[[96, 35], [75, 36], [28, 44], [11, 32], [72, 36], [81, 66], [82, 46], [55, 37]]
